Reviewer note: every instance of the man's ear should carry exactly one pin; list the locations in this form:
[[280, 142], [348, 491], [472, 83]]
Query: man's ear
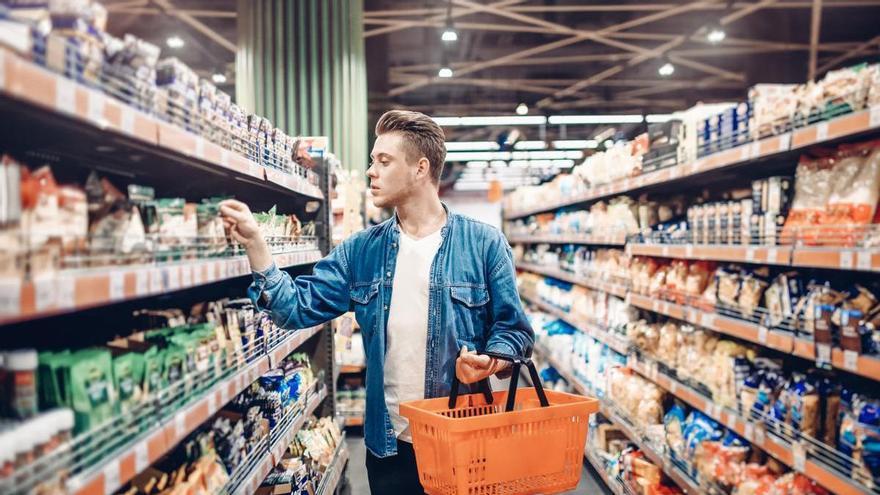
[[424, 169]]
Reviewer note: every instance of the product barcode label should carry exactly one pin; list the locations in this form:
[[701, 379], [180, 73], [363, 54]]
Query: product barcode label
[[117, 285], [762, 335], [785, 141], [111, 476], [874, 118], [864, 260], [10, 294], [822, 131], [141, 456], [96, 108], [850, 360], [799, 457], [45, 293], [141, 283], [846, 260], [188, 275], [65, 96]]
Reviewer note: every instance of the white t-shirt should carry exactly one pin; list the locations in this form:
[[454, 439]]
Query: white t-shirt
[[407, 335]]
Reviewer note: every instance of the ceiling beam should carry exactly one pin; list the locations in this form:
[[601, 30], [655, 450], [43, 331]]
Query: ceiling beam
[[466, 26], [142, 9], [438, 17], [815, 26], [855, 52], [745, 11], [196, 24]]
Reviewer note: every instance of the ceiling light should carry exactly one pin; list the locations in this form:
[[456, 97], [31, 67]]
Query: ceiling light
[[547, 155], [530, 145], [666, 69], [445, 72], [472, 146], [522, 109], [477, 164], [487, 121], [596, 119], [449, 34], [658, 118], [219, 78], [563, 163], [175, 42], [576, 144], [608, 143], [716, 35], [477, 156]]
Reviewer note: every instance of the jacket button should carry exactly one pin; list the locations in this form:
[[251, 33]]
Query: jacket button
[[388, 274], [385, 307]]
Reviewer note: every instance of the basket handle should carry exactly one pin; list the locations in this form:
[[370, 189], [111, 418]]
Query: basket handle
[[518, 362]]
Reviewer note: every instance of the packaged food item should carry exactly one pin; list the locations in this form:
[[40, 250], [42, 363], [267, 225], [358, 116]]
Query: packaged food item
[[20, 389]]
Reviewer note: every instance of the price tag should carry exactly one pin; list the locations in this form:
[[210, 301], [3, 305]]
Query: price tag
[[66, 295], [673, 387], [846, 260], [157, 283], [96, 108], [689, 251], [45, 292], [772, 255], [2, 69], [799, 457], [212, 403], [822, 131], [864, 260], [707, 320], [117, 285], [141, 282], [665, 251], [823, 353], [665, 308], [632, 361], [744, 152], [186, 275], [211, 271], [627, 299], [180, 424], [223, 270], [200, 148], [655, 305], [760, 435], [784, 142], [850, 360], [762, 335], [141, 456], [111, 476], [224, 394], [755, 150], [65, 96], [750, 432], [750, 254], [10, 293], [127, 119], [653, 372], [715, 411], [873, 122]]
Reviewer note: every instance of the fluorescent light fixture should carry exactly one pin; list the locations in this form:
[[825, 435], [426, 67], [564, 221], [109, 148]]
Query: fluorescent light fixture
[[444, 72], [530, 145], [175, 42], [608, 143], [666, 70], [563, 163], [218, 78], [477, 164], [522, 109], [596, 119], [449, 34], [491, 120], [657, 118], [498, 164], [471, 146], [477, 156], [716, 35], [547, 155], [576, 144]]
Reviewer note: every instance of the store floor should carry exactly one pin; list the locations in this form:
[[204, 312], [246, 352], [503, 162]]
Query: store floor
[[357, 473]]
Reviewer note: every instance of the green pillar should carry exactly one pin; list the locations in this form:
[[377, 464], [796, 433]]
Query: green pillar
[[301, 64]]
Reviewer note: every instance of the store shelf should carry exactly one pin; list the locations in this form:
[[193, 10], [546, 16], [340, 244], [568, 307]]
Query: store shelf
[[334, 472], [595, 283], [615, 487], [72, 290], [771, 255], [354, 420], [595, 331], [564, 370], [867, 259], [118, 469], [265, 459], [754, 432], [66, 118], [849, 125], [615, 239]]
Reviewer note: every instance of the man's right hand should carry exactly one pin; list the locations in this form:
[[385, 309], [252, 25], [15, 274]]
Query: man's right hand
[[240, 222]]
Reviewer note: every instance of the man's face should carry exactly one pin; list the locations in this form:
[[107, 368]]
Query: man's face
[[393, 176]]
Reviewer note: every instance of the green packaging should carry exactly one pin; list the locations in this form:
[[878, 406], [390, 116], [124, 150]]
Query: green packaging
[[153, 374], [128, 376], [92, 393]]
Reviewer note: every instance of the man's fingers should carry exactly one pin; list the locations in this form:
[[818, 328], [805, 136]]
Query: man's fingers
[[476, 360]]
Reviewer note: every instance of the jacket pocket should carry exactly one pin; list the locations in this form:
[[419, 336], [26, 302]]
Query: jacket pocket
[[361, 294], [365, 307], [470, 313]]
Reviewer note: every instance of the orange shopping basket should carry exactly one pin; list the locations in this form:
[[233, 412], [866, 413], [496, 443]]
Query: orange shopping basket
[[469, 445]]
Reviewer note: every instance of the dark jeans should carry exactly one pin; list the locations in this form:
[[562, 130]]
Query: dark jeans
[[394, 475]]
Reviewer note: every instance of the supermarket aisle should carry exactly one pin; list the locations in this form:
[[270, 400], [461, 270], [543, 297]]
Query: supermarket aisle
[[357, 473]]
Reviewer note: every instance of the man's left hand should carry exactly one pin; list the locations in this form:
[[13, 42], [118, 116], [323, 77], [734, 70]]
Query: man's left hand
[[471, 367]]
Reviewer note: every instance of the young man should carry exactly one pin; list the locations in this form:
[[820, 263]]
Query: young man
[[427, 287]]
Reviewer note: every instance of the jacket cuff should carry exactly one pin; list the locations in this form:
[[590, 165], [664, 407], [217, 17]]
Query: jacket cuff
[[264, 281], [502, 348]]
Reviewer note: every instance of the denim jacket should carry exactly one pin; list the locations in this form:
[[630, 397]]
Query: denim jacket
[[473, 301]]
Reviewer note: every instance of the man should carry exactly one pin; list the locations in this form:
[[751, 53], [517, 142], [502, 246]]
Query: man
[[427, 287]]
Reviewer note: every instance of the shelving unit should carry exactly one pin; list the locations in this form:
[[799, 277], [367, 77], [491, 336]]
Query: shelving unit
[[48, 117], [819, 462]]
